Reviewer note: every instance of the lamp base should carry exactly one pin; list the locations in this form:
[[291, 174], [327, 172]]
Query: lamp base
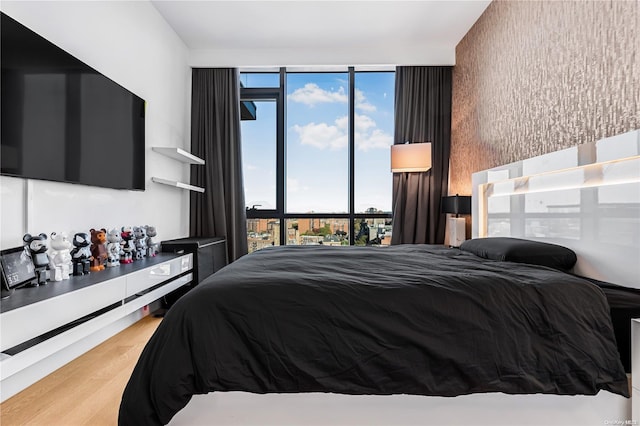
[[457, 231]]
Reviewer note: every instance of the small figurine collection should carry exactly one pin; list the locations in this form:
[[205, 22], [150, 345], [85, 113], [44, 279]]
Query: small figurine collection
[[87, 252]]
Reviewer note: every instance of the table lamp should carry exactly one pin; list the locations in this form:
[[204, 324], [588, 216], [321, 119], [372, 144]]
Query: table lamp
[[456, 204], [410, 157]]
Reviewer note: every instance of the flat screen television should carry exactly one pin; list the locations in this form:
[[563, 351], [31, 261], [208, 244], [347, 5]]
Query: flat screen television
[[64, 121]]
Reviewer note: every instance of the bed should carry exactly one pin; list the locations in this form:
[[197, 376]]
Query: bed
[[431, 334], [408, 319]]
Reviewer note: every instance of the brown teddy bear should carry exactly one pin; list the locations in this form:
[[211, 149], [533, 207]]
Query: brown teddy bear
[[98, 249]]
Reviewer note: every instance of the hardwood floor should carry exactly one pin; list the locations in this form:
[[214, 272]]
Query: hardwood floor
[[86, 391]]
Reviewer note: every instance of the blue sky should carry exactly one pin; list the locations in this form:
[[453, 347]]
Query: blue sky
[[317, 144]]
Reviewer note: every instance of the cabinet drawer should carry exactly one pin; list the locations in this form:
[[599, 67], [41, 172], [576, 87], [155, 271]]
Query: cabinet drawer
[[635, 354], [140, 281], [22, 324], [156, 294]]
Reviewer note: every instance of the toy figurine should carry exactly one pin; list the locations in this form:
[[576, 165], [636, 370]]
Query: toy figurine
[[98, 249], [59, 257], [140, 234], [114, 249], [152, 246], [37, 250], [128, 246], [81, 253]]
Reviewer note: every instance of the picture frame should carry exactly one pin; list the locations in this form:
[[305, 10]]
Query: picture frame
[[16, 267]]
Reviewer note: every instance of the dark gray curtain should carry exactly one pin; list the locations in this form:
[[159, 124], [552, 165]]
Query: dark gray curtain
[[422, 114], [215, 137]]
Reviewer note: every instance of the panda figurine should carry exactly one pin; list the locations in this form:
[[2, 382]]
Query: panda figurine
[[127, 244], [37, 246], [81, 253]]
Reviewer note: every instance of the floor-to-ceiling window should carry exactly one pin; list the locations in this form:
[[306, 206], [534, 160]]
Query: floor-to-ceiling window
[[315, 151]]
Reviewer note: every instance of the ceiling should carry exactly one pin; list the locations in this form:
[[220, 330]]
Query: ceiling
[[319, 24]]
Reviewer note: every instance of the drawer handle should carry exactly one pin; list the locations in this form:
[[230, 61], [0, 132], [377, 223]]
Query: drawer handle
[[163, 270], [186, 264]]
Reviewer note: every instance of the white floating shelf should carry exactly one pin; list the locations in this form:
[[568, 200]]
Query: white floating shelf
[[177, 184], [179, 154]]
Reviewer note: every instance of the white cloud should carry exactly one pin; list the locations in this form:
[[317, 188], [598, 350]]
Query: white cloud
[[322, 135], [312, 94], [248, 166], [377, 139], [364, 123], [362, 103], [342, 123], [334, 137]]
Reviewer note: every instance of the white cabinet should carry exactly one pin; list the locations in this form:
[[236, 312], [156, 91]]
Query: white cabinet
[[45, 327], [140, 281], [33, 320], [184, 157], [635, 371]]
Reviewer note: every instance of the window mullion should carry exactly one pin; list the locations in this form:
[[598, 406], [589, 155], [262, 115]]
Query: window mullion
[[281, 157], [352, 157]]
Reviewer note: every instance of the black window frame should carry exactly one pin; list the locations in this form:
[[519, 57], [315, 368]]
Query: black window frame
[[279, 95]]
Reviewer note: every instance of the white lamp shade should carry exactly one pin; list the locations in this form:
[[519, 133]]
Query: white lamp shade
[[410, 157]]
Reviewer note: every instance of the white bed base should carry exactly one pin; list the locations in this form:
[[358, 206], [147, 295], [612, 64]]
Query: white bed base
[[586, 198], [317, 409]]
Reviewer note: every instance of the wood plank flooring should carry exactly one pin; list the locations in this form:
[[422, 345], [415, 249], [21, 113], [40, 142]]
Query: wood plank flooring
[[86, 391]]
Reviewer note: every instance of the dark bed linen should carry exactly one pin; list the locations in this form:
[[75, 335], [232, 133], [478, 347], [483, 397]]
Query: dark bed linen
[[410, 319], [624, 304]]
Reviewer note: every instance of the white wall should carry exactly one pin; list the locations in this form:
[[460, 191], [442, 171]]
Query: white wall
[[133, 45]]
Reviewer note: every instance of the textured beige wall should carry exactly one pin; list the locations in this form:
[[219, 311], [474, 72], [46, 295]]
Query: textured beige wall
[[532, 77]]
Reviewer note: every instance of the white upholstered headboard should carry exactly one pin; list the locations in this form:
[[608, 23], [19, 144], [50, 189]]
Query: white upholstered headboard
[[586, 198]]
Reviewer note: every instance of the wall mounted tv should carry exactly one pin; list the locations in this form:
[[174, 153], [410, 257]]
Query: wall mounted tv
[[64, 121]]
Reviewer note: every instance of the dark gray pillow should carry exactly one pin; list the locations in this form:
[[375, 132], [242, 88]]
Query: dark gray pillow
[[522, 251]]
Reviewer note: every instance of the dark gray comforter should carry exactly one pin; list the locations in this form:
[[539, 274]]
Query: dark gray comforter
[[410, 319]]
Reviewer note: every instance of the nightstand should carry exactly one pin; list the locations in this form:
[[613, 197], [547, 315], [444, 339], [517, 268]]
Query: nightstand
[[209, 256]]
